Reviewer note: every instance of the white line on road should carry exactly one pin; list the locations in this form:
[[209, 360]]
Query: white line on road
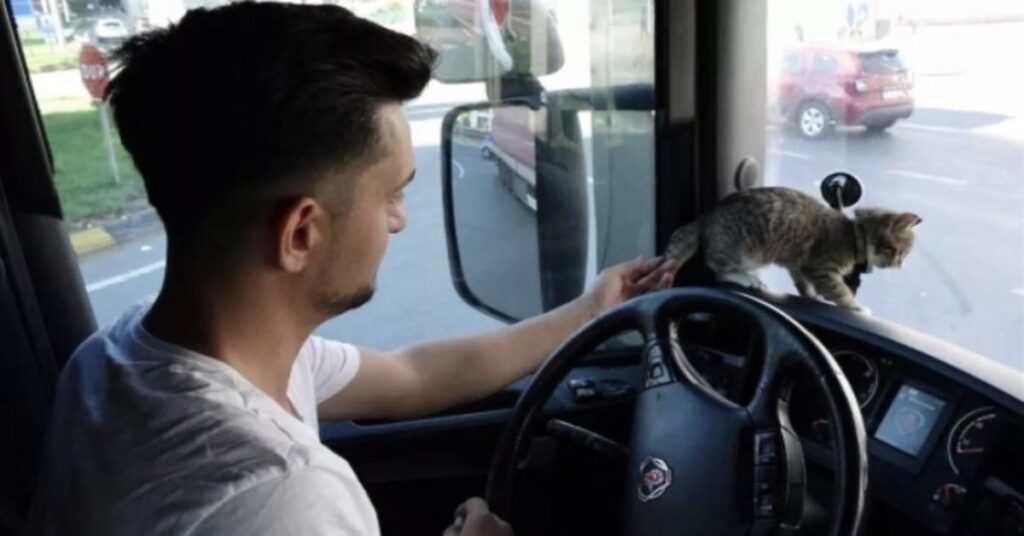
[[931, 128], [118, 279], [459, 168], [791, 154], [1018, 291], [926, 177]]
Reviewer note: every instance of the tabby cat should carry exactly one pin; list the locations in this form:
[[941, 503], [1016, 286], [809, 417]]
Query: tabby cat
[[818, 245]]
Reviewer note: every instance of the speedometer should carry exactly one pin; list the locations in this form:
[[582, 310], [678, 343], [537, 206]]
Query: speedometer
[[862, 374], [968, 439]]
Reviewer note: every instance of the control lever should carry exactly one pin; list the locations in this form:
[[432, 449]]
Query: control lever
[[587, 439]]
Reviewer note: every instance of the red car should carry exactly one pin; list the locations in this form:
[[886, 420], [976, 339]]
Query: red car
[[823, 86]]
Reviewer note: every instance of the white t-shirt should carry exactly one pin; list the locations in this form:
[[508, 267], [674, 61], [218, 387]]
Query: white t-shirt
[[150, 438]]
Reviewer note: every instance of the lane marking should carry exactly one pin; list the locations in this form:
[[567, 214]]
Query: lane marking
[[931, 128], [459, 168], [790, 154], [926, 177], [118, 279]]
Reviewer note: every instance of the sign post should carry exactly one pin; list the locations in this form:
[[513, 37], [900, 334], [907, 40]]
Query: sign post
[[92, 65]]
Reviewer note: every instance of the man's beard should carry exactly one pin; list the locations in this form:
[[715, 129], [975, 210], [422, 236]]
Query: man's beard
[[332, 304]]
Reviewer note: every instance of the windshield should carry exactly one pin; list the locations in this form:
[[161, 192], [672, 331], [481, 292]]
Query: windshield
[[884, 62], [937, 130]]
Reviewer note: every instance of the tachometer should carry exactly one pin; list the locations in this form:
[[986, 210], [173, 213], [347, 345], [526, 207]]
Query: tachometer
[[862, 374], [968, 439]]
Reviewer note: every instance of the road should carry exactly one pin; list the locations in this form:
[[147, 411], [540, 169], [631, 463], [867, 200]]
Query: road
[[964, 281]]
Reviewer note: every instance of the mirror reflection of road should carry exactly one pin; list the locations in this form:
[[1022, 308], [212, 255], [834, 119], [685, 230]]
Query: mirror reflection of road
[[963, 283], [497, 233]]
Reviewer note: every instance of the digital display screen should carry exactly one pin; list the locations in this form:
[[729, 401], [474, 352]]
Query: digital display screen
[[910, 420]]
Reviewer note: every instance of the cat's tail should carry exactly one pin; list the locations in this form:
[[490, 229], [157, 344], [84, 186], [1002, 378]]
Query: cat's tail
[[683, 243]]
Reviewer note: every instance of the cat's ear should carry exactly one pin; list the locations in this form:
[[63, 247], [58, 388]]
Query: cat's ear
[[906, 221]]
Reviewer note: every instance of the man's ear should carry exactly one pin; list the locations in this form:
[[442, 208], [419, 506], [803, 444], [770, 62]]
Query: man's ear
[[297, 232]]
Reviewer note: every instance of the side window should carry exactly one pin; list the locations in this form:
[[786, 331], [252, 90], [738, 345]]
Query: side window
[[825, 64], [121, 245], [117, 235], [932, 123]]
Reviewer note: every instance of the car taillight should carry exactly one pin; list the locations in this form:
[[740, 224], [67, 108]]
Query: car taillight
[[860, 85]]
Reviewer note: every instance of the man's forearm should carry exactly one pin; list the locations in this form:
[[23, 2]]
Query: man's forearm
[[460, 370]]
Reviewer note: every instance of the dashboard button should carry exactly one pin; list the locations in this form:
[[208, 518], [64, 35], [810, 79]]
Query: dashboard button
[[766, 448], [584, 394], [577, 383]]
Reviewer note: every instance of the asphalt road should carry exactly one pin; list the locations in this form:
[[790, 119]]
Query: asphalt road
[[964, 282]]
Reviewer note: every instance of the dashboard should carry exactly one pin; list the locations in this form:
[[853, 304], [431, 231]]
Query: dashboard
[[945, 455]]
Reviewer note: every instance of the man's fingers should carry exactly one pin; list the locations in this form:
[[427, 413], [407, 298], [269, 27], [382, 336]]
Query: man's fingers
[[653, 263], [665, 270], [474, 518], [648, 281], [473, 506]]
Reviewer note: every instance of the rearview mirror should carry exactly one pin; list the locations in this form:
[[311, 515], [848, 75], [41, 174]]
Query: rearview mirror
[[480, 40], [515, 198]]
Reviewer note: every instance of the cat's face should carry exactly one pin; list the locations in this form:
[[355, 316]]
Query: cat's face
[[891, 235]]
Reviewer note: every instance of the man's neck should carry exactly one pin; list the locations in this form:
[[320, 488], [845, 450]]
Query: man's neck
[[241, 323]]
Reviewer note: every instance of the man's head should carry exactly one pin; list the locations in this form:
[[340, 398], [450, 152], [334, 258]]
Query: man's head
[[271, 136]]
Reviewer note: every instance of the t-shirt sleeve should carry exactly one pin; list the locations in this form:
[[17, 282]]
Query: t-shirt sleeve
[[333, 365], [306, 502]]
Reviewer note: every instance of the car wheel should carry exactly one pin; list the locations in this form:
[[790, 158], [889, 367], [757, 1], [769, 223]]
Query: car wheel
[[879, 127], [814, 120]]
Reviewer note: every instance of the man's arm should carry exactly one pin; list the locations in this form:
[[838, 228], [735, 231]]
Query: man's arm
[[427, 378]]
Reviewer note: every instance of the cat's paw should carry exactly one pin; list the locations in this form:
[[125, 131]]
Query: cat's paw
[[860, 309], [744, 280]]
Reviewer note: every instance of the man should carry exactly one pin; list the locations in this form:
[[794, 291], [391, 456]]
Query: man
[[273, 145]]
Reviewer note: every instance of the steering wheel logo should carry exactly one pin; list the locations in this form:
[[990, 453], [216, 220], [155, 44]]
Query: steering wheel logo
[[655, 478]]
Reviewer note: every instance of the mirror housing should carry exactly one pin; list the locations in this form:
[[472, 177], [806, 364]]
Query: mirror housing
[[515, 202], [480, 40]]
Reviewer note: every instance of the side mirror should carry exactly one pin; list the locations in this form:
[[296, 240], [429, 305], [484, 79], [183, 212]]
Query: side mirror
[[481, 40], [515, 202]]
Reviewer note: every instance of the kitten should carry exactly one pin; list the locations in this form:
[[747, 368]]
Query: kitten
[[818, 245]]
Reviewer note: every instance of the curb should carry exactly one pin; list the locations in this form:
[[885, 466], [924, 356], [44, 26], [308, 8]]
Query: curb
[[91, 240], [115, 232]]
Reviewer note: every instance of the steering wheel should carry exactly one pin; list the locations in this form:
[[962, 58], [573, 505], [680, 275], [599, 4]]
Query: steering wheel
[[699, 461]]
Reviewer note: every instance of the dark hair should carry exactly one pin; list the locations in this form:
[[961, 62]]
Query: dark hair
[[233, 102]]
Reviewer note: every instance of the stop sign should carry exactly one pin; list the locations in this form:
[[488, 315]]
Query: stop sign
[[92, 64]]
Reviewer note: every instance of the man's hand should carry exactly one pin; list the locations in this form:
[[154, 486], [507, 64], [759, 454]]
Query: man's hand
[[622, 282], [473, 518]]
